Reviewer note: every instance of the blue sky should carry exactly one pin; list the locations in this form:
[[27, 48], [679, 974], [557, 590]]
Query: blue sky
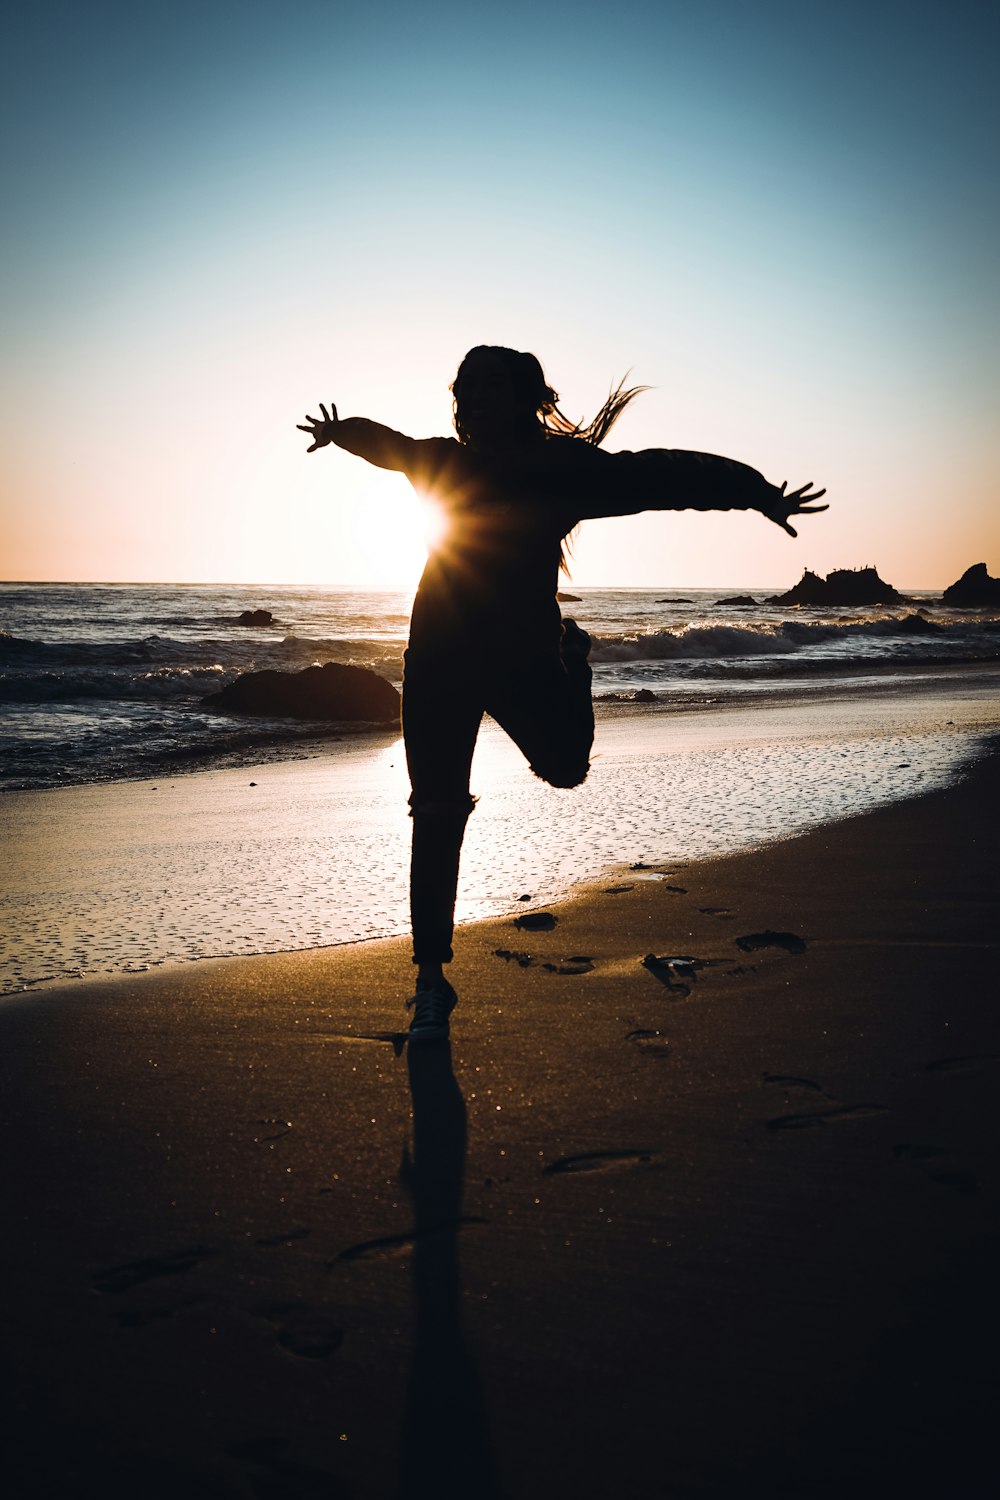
[[783, 218]]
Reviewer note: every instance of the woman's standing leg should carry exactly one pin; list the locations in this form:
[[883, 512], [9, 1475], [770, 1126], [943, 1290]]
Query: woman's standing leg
[[442, 708]]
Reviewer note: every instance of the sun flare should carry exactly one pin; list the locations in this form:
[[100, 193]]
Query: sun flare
[[392, 534], [432, 522]]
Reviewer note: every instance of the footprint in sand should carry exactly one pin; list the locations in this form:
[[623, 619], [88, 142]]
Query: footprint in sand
[[789, 1081], [715, 911], [577, 963], [536, 921], [675, 972], [512, 955], [649, 1043], [957, 1064], [303, 1331], [841, 1115], [118, 1279], [392, 1246], [617, 890], [751, 941], [599, 1161]]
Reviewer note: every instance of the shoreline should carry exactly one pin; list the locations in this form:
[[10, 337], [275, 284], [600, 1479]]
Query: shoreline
[[302, 854], [712, 1228], [621, 875]]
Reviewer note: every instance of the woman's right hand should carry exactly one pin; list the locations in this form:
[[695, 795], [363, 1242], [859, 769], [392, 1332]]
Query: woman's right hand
[[321, 430]]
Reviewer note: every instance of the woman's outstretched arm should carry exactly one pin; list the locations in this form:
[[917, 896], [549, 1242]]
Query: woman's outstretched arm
[[621, 484], [369, 440]]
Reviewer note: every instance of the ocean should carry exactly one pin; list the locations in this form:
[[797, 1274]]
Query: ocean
[[104, 682], [141, 829]]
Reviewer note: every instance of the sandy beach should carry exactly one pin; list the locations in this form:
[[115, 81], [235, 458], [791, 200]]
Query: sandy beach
[[726, 1225]]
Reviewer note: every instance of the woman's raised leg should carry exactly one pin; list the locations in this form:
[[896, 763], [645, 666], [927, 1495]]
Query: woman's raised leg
[[544, 703]]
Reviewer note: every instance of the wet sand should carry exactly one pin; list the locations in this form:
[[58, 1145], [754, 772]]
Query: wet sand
[[726, 1226], [271, 858]]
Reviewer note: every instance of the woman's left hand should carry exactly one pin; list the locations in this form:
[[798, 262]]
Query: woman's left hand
[[799, 503], [321, 430]]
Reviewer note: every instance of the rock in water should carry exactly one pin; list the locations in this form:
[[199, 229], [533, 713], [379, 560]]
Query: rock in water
[[844, 586], [974, 590], [256, 617], [810, 589], [331, 691]]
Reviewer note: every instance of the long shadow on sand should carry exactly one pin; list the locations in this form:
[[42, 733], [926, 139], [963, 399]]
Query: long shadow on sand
[[445, 1448]]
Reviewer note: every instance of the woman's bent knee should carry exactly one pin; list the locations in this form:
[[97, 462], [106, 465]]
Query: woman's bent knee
[[564, 774]]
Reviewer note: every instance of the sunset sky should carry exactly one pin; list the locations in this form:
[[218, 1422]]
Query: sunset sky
[[782, 217]]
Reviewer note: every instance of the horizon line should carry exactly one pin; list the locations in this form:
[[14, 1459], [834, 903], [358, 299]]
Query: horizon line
[[397, 588]]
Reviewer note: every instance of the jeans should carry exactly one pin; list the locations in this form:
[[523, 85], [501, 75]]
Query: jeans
[[542, 701]]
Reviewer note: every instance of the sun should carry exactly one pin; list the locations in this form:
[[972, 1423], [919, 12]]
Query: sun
[[391, 535]]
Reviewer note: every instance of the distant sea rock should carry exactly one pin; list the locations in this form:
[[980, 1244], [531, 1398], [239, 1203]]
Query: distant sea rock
[[844, 586], [256, 617], [331, 691], [673, 601], [740, 601], [974, 590], [569, 598]]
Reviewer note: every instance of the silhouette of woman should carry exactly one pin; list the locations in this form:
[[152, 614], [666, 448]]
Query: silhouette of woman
[[486, 634]]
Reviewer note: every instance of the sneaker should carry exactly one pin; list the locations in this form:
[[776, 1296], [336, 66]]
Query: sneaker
[[432, 1005]]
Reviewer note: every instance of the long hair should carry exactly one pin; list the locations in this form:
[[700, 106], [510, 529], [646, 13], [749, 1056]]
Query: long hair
[[536, 395]]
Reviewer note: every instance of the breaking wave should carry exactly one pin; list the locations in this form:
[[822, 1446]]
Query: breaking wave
[[787, 637]]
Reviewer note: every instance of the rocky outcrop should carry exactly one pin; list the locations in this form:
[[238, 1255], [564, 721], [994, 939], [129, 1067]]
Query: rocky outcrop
[[568, 598], [845, 587], [739, 601], [331, 691], [256, 617], [676, 600], [974, 590]]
